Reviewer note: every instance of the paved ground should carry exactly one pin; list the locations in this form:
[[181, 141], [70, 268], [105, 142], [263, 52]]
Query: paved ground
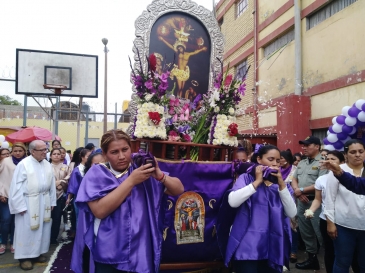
[[9, 265]]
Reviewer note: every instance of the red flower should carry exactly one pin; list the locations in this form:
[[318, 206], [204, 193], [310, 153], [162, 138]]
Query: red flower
[[232, 129], [228, 80], [154, 117], [152, 60]]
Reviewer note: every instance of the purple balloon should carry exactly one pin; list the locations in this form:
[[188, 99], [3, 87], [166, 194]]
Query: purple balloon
[[326, 142], [347, 129], [363, 107], [338, 145], [331, 130], [341, 119], [342, 136], [353, 112]]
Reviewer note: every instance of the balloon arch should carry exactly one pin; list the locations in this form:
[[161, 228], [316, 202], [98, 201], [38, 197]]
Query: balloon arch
[[345, 126]]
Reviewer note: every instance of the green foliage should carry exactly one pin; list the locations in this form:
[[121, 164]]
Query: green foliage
[[6, 100]]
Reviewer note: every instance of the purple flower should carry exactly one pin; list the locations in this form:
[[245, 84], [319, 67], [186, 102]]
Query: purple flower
[[138, 81], [149, 84], [241, 90], [163, 86], [164, 77], [218, 81], [183, 129]]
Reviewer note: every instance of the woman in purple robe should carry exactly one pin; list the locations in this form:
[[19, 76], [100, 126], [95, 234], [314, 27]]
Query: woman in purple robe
[[259, 240], [121, 211]]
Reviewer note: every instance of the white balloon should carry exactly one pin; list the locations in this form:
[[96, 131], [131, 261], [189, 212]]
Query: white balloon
[[334, 120], [328, 132], [332, 138], [359, 103], [5, 144], [337, 128], [350, 121], [361, 116], [329, 147], [345, 110], [2, 138], [353, 131]]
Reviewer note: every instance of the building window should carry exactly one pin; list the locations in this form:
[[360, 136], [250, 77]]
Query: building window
[[241, 70], [241, 6], [327, 11], [279, 43]]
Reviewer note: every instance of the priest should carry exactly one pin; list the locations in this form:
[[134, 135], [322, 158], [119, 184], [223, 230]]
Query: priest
[[32, 197]]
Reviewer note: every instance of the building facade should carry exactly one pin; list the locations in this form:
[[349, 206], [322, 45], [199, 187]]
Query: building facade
[[306, 63]]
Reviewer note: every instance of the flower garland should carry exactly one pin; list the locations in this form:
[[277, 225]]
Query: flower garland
[[150, 127], [220, 135]]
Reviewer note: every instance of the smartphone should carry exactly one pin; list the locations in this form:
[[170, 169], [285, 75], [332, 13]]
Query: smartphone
[[150, 161]]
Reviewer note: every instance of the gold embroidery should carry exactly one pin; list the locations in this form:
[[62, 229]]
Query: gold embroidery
[[35, 217], [210, 202], [165, 234], [170, 204]]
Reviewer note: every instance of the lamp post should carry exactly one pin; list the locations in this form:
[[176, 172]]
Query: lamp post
[[105, 42]]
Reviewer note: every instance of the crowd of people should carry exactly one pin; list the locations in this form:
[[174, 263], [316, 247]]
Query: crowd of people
[[312, 199]]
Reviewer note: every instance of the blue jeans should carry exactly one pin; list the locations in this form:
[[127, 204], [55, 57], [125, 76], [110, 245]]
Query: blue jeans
[[250, 266], [6, 223], [56, 216], [345, 244]]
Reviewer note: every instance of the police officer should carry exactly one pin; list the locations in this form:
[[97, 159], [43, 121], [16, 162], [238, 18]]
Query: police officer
[[303, 182]]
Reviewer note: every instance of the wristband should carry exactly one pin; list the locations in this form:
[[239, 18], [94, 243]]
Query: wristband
[[163, 180], [159, 179]]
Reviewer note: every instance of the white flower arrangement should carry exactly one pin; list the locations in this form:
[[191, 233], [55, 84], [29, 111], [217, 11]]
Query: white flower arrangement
[[219, 134], [145, 127]]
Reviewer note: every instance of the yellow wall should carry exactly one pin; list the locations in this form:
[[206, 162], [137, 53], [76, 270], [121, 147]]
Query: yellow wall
[[268, 7], [67, 130], [331, 103], [335, 47], [267, 117]]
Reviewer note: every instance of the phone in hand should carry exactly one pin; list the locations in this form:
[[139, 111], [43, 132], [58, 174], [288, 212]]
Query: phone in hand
[[150, 161]]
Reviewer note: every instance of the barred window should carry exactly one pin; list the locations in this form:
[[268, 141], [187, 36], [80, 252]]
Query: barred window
[[241, 70], [279, 43], [327, 11], [241, 6]]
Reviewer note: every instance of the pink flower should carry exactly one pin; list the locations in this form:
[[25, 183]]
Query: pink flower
[[228, 80]]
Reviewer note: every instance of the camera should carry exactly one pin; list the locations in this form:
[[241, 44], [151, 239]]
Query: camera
[[143, 158]]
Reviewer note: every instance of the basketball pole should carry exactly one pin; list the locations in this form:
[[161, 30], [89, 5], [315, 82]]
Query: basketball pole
[[78, 124], [105, 128]]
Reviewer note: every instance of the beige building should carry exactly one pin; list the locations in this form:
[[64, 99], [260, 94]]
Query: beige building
[[306, 63]]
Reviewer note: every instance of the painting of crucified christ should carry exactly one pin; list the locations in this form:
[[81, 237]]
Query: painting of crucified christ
[[185, 46]]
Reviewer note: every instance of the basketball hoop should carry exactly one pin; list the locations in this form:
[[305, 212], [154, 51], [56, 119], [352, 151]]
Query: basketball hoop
[[57, 89]]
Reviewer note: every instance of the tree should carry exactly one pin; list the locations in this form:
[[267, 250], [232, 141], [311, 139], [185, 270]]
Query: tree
[[6, 100]]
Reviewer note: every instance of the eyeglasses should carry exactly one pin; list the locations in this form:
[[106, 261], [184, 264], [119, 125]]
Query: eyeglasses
[[41, 150], [6, 154]]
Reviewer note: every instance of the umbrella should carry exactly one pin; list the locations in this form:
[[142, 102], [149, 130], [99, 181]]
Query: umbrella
[[29, 134]]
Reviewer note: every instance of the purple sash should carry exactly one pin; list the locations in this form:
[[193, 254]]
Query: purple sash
[[74, 182]]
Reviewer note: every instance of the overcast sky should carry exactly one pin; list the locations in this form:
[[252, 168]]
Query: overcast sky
[[74, 26]]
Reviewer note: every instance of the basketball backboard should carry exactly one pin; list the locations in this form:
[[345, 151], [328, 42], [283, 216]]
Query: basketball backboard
[[35, 68]]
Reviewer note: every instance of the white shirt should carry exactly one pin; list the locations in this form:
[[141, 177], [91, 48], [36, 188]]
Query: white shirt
[[321, 186], [236, 198], [344, 207]]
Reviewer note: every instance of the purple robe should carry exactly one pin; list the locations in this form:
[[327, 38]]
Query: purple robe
[[74, 182], [130, 238], [260, 231]]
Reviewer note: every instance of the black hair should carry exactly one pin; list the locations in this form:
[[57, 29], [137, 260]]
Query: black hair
[[337, 154], [241, 150], [61, 148], [89, 161], [50, 154], [83, 152], [295, 156], [54, 141], [287, 156], [262, 151], [350, 142], [76, 156], [324, 150], [68, 151]]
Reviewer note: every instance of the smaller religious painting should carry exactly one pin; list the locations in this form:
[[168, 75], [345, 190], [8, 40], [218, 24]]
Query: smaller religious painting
[[189, 218], [182, 45]]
